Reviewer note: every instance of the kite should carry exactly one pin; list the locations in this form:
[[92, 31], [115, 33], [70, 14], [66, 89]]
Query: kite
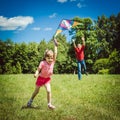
[[66, 25]]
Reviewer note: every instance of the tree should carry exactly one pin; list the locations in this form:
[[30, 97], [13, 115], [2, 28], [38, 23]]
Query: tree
[[20, 56], [103, 36], [32, 56], [114, 62], [108, 30], [42, 46], [6, 54], [18, 68], [117, 33], [62, 53]]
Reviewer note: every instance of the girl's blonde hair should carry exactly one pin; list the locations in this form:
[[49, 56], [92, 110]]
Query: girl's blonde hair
[[48, 53]]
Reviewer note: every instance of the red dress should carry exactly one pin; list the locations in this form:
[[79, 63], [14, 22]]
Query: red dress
[[45, 74]]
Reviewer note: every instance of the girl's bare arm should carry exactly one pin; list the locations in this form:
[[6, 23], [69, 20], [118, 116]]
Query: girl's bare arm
[[55, 52], [37, 72]]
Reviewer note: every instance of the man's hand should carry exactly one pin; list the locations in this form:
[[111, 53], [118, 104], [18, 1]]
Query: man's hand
[[83, 39], [73, 40]]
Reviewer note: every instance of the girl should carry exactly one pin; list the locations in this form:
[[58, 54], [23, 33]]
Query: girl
[[43, 74]]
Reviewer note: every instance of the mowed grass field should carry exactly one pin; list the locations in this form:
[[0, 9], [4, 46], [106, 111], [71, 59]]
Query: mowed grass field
[[95, 97]]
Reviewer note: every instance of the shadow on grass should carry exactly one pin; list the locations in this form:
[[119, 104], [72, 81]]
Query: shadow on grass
[[32, 107]]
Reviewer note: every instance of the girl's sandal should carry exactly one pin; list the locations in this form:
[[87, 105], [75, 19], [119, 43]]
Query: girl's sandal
[[51, 107]]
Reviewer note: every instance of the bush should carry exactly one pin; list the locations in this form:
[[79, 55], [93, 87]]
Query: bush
[[100, 64], [103, 71]]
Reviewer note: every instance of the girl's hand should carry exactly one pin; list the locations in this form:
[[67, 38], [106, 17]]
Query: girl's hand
[[36, 73]]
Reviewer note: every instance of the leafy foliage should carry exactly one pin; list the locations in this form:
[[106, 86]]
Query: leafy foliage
[[114, 62], [100, 64]]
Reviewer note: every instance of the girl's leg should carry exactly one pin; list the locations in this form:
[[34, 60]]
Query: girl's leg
[[48, 89], [79, 70], [36, 91]]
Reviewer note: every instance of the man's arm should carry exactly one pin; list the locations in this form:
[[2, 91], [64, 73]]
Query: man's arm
[[83, 41], [74, 43]]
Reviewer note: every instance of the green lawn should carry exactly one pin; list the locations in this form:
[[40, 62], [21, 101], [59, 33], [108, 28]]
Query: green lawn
[[95, 97]]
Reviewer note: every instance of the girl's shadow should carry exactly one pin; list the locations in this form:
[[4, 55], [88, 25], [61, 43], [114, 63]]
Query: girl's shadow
[[31, 107]]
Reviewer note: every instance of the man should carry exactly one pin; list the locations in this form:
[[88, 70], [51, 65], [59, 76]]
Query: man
[[79, 51]]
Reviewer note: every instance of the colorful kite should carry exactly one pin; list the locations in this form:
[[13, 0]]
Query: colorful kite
[[66, 25]]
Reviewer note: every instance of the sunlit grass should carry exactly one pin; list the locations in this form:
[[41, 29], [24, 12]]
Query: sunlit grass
[[95, 97]]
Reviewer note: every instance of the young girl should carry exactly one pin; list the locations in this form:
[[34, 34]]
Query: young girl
[[43, 74]]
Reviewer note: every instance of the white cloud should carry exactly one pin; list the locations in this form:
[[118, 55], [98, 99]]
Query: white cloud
[[15, 23], [79, 5], [53, 15], [62, 1], [36, 28], [48, 29]]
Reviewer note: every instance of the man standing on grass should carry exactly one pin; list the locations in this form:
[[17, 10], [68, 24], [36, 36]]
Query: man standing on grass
[[79, 51]]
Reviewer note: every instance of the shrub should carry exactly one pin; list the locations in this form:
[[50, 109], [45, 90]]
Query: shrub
[[100, 64], [103, 71]]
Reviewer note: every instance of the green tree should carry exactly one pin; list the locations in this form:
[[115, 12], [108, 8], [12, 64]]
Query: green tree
[[117, 33], [6, 53], [114, 62], [20, 56], [33, 57], [62, 53], [42, 46], [18, 68], [103, 36]]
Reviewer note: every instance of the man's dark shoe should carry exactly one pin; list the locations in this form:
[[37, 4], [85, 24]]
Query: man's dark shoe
[[86, 73]]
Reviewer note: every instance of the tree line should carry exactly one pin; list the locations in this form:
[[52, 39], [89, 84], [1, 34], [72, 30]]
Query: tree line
[[102, 52]]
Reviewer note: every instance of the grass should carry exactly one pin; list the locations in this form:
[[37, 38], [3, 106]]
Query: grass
[[95, 97]]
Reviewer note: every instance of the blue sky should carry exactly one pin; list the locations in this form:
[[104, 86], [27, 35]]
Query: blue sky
[[34, 20]]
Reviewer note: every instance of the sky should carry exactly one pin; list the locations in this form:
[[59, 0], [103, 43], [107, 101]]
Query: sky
[[35, 20]]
